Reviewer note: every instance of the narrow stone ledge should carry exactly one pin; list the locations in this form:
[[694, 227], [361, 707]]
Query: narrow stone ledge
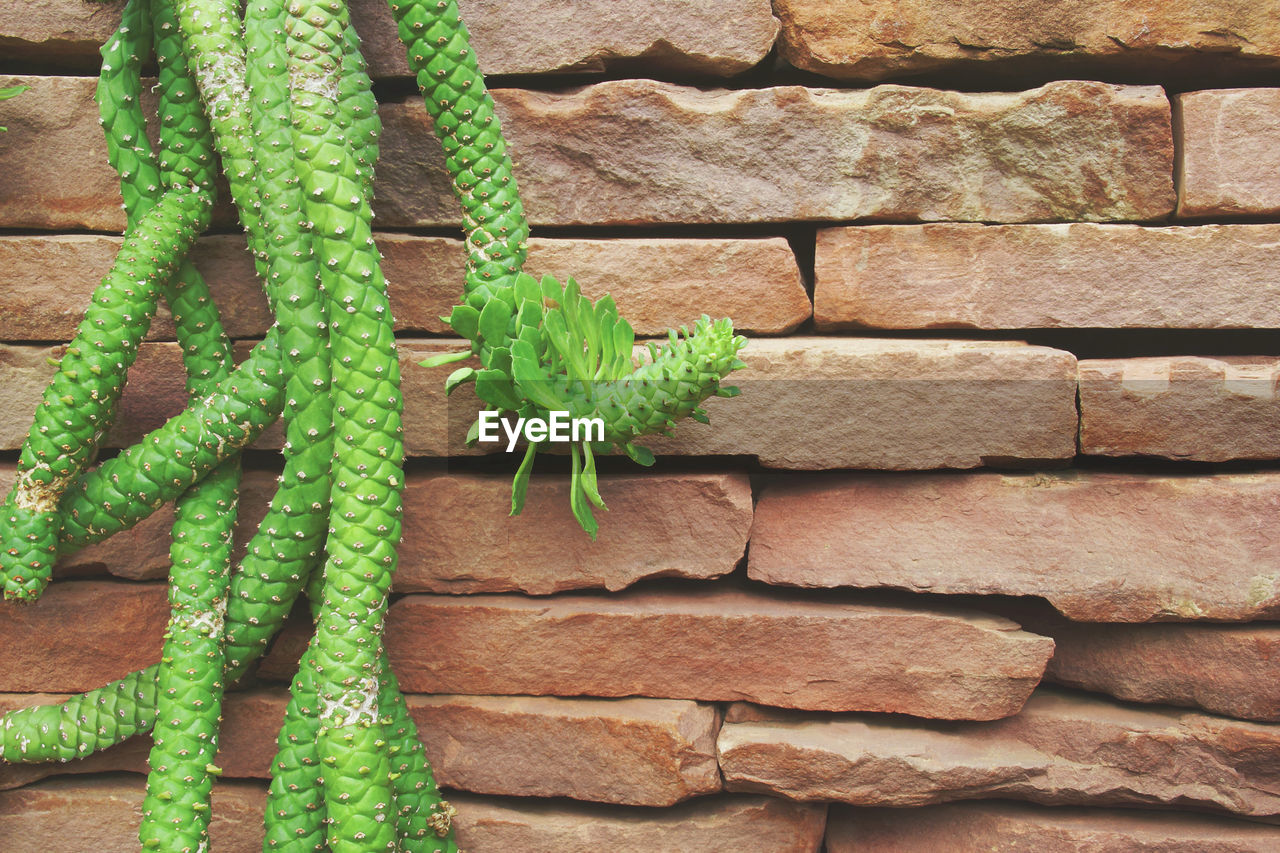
[[718, 645], [1181, 407], [101, 813], [816, 403], [645, 752], [635, 152], [1047, 277], [81, 635], [1230, 144], [1225, 669], [46, 281], [978, 827], [757, 824], [1100, 547], [878, 39], [510, 37], [1061, 749]]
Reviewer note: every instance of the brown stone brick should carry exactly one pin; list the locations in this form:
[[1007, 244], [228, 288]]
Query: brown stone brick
[[716, 644], [631, 152], [1100, 547], [1227, 669], [757, 824], [1021, 828], [1182, 407], [1230, 146], [459, 537], [102, 814], [815, 403], [80, 635], [648, 752], [879, 39], [1047, 276], [1062, 749]]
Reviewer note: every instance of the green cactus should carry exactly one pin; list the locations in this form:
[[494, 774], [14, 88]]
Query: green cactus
[[291, 114]]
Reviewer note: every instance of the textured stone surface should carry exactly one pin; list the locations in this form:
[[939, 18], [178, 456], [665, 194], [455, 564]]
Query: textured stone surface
[[459, 536], [1019, 828], [1230, 145], [877, 39], [102, 814], [718, 39], [717, 645], [738, 823], [1062, 749], [1100, 547], [815, 403], [639, 151], [1228, 669], [646, 152], [46, 281], [647, 752], [80, 635], [1047, 276], [806, 403], [1204, 409]]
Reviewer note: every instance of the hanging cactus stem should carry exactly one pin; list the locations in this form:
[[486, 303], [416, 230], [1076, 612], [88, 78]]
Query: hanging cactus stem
[[279, 94]]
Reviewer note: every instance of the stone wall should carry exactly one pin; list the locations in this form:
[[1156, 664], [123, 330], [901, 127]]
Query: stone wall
[[986, 555]]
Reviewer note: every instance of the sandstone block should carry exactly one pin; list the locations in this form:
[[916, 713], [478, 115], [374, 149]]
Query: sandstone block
[[758, 824], [717, 645], [80, 635], [1100, 547], [1227, 669], [459, 536], [46, 281], [649, 752], [631, 152], [102, 813], [1203, 409], [1047, 276], [893, 38], [1020, 828], [1230, 144], [526, 38], [814, 403], [1061, 749]]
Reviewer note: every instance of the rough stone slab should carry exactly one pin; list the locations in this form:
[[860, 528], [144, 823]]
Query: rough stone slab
[[1227, 669], [46, 281], [1047, 276], [630, 152], [130, 756], [878, 39], [459, 537], [1061, 749], [1187, 407], [81, 635], [978, 827], [102, 814], [1100, 547], [814, 403], [718, 39], [1230, 144], [806, 403], [645, 752], [737, 823], [718, 645]]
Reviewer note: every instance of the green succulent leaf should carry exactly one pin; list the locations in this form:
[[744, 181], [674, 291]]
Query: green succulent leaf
[[445, 358], [520, 485], [459, 377]]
